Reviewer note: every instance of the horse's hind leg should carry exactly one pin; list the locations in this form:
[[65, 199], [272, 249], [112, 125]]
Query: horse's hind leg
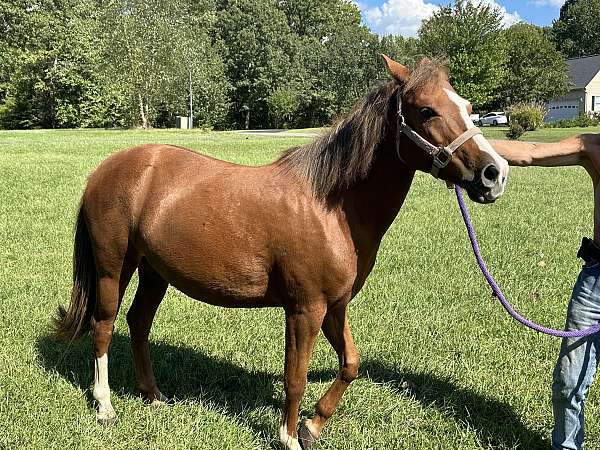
[[150, 292], [337, 331], [110, 290]]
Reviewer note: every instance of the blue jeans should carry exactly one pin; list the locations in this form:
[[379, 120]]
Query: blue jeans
[[577, 361]]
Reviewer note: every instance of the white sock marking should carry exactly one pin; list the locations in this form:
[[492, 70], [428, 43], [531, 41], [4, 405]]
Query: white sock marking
[[102, 389], [290, 442]]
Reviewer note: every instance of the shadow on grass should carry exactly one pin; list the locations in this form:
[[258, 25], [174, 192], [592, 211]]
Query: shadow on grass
[[182, 373], [495, 422], [189, 375]]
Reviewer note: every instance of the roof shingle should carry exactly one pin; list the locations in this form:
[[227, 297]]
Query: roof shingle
[[583, 70]]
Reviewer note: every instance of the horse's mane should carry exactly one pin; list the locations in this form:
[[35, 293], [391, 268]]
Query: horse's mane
[[344, 155]]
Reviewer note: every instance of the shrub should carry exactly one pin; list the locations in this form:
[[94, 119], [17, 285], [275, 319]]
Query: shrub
[[515, 130], [529, 115], [582, 121]]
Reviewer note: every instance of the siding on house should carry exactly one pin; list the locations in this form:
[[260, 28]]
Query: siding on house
[[592, 90], [584, 75]]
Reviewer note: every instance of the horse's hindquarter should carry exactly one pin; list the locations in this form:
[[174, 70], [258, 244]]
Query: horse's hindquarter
[[241, 236]]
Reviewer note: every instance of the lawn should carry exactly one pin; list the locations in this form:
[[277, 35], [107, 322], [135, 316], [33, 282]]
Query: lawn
[[541, 134], [425, 316]]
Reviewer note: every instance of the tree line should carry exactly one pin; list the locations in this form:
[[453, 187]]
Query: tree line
[[257, 63]]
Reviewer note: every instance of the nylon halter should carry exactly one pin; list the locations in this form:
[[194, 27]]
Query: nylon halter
[[441, 155]]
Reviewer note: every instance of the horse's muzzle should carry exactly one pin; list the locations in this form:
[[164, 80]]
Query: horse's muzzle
[[488, 185]]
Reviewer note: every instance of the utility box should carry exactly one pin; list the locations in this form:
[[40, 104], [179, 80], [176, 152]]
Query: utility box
[[182, 122]]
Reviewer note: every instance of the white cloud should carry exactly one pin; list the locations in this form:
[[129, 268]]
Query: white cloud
[[555, 3], [508, 18], [399, 16], [405, 16]]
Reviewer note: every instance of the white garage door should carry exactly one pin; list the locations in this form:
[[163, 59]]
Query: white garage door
[[562, 110]]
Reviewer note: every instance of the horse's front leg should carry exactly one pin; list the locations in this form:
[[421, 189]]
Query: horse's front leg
[[301, 329], [337, 331]]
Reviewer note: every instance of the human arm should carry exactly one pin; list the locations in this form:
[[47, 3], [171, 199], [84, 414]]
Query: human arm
[[574, 151]]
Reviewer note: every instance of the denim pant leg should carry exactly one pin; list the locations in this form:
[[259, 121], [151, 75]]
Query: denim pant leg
[[576, 363]]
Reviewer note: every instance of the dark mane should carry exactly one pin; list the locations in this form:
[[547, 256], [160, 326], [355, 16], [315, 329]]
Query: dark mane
[[344, 155], [334, 161]]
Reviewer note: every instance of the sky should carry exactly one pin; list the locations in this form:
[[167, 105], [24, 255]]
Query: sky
[[404, 16]]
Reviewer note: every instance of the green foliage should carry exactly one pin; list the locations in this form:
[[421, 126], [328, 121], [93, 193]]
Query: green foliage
[[404, 50], [253, 63], [257, 40], [577, 31], [469, 35], [283, 105], [529, 115], [150, 49], [50, 74], [515, 130], [525, 117], [582, 121], [535, 69]]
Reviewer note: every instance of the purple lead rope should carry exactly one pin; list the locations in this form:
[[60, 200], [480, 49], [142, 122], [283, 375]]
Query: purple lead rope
[[498, 293]]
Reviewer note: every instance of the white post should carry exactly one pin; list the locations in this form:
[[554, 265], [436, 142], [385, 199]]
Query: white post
[[191, 121]]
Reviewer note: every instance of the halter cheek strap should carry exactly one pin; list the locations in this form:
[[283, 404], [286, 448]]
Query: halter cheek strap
[[441, 155]]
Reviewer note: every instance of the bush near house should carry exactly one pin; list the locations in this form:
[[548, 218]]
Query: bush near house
[[527, 116], [582, 121]]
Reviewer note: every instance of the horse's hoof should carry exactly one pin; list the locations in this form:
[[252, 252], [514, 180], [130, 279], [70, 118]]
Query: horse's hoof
[[409, 386], [161, 401], [107, 419], [305, 437]]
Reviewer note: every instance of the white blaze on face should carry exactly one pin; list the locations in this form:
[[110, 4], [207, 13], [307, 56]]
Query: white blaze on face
[[482, 143]]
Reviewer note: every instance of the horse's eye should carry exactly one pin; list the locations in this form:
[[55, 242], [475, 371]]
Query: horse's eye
[[427, 113]]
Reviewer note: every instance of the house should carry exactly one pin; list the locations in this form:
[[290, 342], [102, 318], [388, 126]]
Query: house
[[584, 96]]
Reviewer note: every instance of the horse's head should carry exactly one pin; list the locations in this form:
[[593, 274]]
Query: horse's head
[[444, 140]]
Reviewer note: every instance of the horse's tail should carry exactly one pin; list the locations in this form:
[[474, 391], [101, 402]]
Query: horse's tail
[[73, 323]]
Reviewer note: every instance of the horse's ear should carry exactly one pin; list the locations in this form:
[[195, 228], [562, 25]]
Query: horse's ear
[[399, 72]]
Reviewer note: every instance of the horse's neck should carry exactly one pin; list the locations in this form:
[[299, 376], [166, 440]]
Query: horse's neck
[[372, 204]]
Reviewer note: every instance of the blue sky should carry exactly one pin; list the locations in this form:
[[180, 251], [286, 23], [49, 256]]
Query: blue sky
[[404, 16]]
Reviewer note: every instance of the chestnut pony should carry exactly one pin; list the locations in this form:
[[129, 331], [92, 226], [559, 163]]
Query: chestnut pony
[[301, 233]]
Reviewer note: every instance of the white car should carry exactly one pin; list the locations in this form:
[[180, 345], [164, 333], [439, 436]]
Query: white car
[[475, 118], [493, 118]]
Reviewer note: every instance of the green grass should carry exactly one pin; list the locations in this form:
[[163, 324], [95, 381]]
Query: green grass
[[424, 315], [541, 134]]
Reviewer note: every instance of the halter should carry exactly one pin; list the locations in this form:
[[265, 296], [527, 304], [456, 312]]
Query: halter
[[441, 155]]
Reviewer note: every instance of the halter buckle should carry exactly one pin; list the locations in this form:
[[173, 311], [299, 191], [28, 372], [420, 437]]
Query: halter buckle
[[442, 158]]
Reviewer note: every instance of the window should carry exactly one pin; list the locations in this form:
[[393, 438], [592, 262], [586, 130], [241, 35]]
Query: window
[[596, 103]]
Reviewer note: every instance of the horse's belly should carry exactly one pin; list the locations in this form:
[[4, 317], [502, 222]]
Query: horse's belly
[[220, 282]]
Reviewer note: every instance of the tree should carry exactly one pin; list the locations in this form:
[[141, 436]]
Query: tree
[[351, 65], [256, 42], [49, 77], [469, 36], [334, 59], [535, 69], [577, 30], [150, 48], [401, 49]]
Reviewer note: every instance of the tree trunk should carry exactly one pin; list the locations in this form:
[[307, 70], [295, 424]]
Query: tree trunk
[[143, 113], [247, 124]]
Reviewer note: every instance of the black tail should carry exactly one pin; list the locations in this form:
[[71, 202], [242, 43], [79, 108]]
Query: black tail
[[76, 321]]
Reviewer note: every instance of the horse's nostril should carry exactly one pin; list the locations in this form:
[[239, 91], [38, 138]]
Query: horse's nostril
[[491, 173]]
